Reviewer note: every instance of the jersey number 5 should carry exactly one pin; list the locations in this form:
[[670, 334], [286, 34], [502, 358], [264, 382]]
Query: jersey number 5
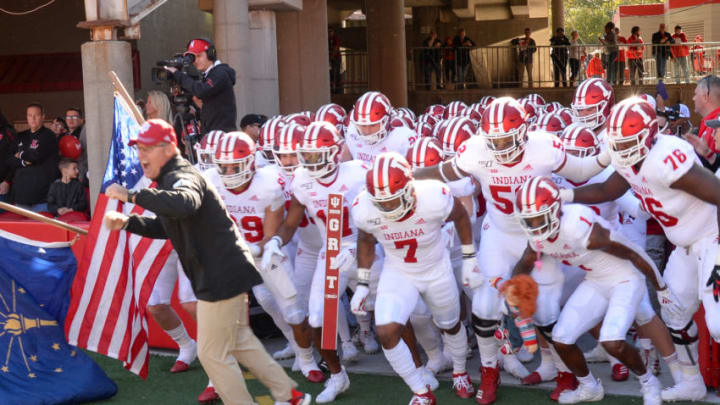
[[504, 204]]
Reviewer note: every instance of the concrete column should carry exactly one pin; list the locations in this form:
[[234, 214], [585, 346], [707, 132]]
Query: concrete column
[[230, 26], [558, 15], [98, 58], [263, 67], [387, 63], [303, 58]]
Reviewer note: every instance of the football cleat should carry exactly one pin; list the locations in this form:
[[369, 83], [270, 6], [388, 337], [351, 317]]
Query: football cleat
[[462, 385], [208, 396], [563, 382], [489, 382], [285, 353], [583, 393], [620, 372]]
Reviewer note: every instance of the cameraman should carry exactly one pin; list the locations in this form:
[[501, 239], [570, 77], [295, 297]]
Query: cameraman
[[215, 89]]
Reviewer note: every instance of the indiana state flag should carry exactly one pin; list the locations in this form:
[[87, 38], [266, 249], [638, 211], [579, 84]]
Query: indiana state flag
[[37, 366]]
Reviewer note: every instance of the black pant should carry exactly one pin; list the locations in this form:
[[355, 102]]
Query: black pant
[[620, 73], [449, 71], [574, 69], [428, 69], [636, 65], [560, 70]]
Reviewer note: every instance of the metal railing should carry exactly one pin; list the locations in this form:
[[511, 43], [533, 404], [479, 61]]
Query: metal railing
[[504, 66]]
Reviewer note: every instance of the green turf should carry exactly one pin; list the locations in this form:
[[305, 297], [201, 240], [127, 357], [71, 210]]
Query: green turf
[[161, 387]]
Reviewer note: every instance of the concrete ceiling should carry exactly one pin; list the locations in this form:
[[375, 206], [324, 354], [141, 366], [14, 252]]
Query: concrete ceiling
[[480, 10]]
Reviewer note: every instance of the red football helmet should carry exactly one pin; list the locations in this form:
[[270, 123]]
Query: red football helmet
[[551, 123], [474, 113], [537, 101], [504, 126], [429, 118], [332, 113], [592, 102], [553, 107], [389, 183], [235, 159], [401, 120], [631, 131], [286, 147], [406, 111], [454, 109], [580, 140], [650, 99], [424, 129], [426, 152], [486, 100], [457, 131], [319, 152], [436, 110], [301, 118], [268, 133], [206, 149], [537, 204], [371, 116], [70, 147], [567, 115], [530, 109]]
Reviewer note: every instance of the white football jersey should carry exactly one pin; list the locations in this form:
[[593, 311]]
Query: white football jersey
[[570, 246], [684, 218], [349, 181], [544, 153], [306, 233], [397, 140], [260, 160], [609, 210], [413, 244], [248, 208]]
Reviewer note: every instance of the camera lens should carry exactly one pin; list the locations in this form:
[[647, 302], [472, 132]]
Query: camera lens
[[188, 59]]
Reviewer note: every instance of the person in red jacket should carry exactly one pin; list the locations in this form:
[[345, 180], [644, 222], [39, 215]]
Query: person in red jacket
[[635, 55], [680, 52], [595, 68]]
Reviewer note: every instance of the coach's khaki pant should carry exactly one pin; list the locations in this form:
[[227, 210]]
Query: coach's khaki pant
[[224, 339]]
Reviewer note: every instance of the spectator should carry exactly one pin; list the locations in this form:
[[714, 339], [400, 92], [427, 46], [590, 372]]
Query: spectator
[[67, 194], [335, 61], [595, 67], [622, 41], [680, 53], [678, 119], [611, 51], [34, 157], [251, 123], [76, 125], [158, 106], [635, 55], [7, 138], [559, 55], [577, 52], [661, 50], [707, 104], [59, 127], [462, 44], [698, 51], [449, 60], [431, 59], [525, 48]]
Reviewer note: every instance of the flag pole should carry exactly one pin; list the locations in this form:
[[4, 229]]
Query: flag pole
[[42, 218], [123, 93]]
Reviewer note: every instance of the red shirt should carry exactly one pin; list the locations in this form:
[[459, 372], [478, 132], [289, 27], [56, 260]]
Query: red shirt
[[680, 50], [621, 49], [706, 133], [635, 52]]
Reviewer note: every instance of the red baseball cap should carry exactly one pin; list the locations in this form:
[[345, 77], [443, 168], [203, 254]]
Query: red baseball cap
[[197, 46], [153, 132]]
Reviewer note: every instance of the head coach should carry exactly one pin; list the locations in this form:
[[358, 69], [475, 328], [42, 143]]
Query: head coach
[[215, 258], [214, 89]]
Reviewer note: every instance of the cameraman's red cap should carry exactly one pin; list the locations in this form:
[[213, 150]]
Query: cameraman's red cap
[[197, 46], [153, 132]]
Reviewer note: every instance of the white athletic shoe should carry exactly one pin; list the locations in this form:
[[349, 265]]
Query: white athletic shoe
[[188, 353], [296, 365], [524, 355], [650, 358], [335, 385], [512, 365], [597, 355], [687, 390], [368, 342], [583, 393], [651, 391], [349, 352], [429, 379], [438, 363], [286, 353]]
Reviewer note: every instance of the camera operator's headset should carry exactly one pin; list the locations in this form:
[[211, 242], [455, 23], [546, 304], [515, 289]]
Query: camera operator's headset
[[211, 51]]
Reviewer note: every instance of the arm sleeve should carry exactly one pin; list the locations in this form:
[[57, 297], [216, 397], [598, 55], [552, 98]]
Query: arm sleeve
[[673, 163], [79, 199], [52, 199], [145, 226], [448, 201], [183, 200], [467, 157], [217, 81], [578, 169], [47, 146]]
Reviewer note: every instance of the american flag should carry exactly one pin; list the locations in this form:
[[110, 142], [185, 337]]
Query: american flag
[[118, 270]]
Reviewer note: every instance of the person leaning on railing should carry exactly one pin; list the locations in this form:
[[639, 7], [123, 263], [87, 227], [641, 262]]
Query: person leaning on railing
[[635, 55], [559, 55]]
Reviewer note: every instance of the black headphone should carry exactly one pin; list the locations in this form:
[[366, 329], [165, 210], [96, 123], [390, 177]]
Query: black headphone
[[211, 51]]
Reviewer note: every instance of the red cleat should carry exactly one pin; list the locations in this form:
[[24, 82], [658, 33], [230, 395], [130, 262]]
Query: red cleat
[[208, 396], [489, 381], [463, 386], [300, 398], [179, 367], [427, 398], [564, 381], [620, 372], [315, 376], [533, 379]]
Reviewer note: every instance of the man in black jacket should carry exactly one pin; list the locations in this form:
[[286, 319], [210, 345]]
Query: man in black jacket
[[215, 258], [661, 50], [215, 89], [560, 51], [34, 157]]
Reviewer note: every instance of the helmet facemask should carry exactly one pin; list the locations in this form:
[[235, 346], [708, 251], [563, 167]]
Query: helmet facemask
[[542, 224], [319, 162], [205, 157], [511, 144], [372, 132], [236, 173], [405, 198], [288, 161], [626, 151], [590, 115]]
